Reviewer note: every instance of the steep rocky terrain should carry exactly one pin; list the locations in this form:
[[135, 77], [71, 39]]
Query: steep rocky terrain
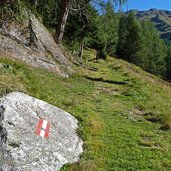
[[161, 20], [29, 41]]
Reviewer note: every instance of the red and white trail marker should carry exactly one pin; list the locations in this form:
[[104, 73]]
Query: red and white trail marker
[[43, 128]]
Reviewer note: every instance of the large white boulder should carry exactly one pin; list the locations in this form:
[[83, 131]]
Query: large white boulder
[[22, 149]]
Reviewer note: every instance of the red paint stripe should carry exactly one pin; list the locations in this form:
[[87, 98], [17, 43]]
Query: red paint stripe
[[47, 130], [39, 127]]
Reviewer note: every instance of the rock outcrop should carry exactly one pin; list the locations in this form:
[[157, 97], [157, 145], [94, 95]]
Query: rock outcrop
[[22, 149], [32, 43]]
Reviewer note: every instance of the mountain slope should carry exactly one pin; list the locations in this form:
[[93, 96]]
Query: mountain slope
[[123, 111], [161, 20]]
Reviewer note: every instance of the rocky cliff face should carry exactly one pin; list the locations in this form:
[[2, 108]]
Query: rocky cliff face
[[22, 148], [32, 43]]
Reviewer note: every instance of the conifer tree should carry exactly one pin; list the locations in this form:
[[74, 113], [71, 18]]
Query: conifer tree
[[79, 28], [141, 44], [66, 6], [153, 50], [110, 23], [133, 39], [168, 63], [129, 38], [122, 37]]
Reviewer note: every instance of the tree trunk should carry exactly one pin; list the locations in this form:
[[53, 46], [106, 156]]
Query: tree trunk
[[81, 47], [62, 20]]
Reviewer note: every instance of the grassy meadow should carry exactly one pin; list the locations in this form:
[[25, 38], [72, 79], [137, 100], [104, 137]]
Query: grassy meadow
[[123, 112]]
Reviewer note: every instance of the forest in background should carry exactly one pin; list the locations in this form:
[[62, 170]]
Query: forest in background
[[95, 24]]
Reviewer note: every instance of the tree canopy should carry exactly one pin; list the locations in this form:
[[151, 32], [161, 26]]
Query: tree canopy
[[109, 32]]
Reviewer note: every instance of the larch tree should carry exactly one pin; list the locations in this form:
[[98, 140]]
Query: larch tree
[[66, 6], [110, 24]]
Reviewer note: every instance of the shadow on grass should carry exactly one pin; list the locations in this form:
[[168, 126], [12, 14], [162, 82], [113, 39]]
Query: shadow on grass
[[106, 81]]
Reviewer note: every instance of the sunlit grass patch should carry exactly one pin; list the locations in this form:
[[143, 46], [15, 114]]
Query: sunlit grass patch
[[121, 125]]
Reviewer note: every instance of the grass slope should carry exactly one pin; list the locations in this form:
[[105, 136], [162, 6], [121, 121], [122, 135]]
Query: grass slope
[[120, 123]]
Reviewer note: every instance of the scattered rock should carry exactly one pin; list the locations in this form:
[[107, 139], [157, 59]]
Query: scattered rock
[[136, 115], [21, 149]]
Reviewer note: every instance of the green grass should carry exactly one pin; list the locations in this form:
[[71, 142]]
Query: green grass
[[120, 124]]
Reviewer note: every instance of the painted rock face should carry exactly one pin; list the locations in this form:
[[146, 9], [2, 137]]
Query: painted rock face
[[35, 135]]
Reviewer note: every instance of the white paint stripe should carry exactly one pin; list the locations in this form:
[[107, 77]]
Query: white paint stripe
[[42, 133], [44, 125]]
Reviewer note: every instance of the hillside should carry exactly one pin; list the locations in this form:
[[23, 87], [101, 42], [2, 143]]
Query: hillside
[[123, 112], [161, 20]]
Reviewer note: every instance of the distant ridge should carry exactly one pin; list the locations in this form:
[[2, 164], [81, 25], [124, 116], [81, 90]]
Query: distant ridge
[[161, 20]]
